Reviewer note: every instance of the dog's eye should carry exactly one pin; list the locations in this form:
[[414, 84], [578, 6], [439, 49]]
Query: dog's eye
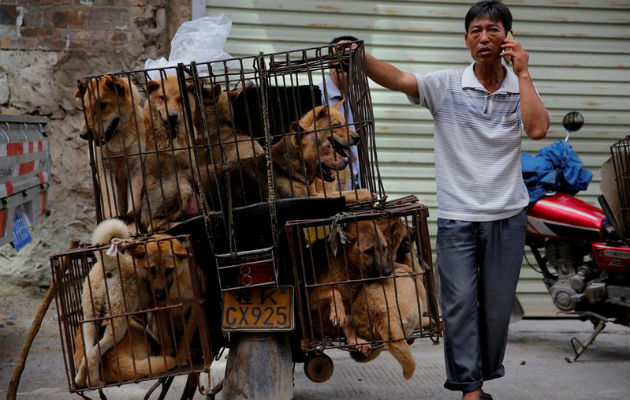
[[152, 270], [337, 126], [102, 105], [178, 99], [369, 251], [163, 98], [169, 271]]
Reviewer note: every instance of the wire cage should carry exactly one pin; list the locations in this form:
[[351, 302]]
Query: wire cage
[[365, 280], [621, 160], [131, 312], [207, 139]]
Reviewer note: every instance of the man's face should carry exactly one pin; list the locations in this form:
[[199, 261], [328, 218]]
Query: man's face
[[484, 39]]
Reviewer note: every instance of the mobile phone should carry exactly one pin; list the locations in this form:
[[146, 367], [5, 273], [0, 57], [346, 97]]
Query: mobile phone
[[508, 59]]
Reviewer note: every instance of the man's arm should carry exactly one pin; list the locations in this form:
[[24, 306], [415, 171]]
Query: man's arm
[[534, 114], [391, 77]]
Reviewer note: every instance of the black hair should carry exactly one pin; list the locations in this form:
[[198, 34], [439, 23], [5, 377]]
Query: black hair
[[495, 10], [345, 37]]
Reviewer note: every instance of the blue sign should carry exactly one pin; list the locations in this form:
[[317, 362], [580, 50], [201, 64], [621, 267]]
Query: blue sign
[[21, 235]]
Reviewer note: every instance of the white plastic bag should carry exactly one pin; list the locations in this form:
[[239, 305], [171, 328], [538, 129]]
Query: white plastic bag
[[199, 40]]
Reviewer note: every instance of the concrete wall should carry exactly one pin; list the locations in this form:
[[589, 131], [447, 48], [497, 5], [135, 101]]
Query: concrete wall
[[45, 47]]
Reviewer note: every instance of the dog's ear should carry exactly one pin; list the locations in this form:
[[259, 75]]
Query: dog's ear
[[179, 250], [139, 251], [115, 84], [77, 94], [337, 106], [152, 86], [322, 112], [190, 87], [209, 95]]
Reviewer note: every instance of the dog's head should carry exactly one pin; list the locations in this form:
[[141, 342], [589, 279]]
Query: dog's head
[[167, 104], [217, 106], [333, 123], [366, 252], [162, 259], [109, 103], [316, 153], [400, 238]]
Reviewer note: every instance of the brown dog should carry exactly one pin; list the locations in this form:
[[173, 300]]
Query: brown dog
[[331, 120], [363, 256], [226, 142], [173, 267], [137, 355], [390, 309], [114, 120]]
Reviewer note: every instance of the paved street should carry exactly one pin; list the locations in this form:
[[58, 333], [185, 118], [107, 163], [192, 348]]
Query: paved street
[[535, 365]]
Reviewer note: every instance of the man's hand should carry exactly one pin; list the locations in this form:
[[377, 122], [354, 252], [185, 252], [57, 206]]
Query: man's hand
[[520, 58]]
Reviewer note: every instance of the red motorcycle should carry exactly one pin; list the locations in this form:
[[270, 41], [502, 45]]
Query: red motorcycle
[[581, 252]]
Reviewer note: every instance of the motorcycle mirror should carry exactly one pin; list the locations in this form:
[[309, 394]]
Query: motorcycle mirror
[[573, 121]]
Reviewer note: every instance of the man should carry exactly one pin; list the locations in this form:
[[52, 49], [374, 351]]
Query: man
[[334, 89], [478, 113]]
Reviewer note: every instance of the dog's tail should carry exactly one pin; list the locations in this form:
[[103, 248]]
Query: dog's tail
[[397, 345], [402, 353], [109, 229]]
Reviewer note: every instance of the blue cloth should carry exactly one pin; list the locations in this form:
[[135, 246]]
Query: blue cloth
[[556, 168]]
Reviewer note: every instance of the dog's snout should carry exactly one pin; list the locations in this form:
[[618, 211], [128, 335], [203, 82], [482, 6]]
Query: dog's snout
[[172, 119], [160, 295], [85, 135], [356, 138], [387, 270]]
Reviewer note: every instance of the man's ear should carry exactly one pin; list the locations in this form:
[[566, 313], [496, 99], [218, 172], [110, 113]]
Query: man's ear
[[466, 40], [152, 86], [115, 84]]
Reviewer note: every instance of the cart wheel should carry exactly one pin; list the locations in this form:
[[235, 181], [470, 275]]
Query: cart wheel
[[318, 367]]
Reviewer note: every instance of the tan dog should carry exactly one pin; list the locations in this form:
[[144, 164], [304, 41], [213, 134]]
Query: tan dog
[[226, 142], [137, 355], [365, 255], [114, 120], [390, 309], [331, 120], [172, 267], [300, 157], [168, 144], [116, 285]]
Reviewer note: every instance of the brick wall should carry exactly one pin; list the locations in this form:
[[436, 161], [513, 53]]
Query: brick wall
[[45, 47]]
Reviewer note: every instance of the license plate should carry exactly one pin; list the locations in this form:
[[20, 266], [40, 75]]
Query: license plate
[[21, 234], [258, 309]]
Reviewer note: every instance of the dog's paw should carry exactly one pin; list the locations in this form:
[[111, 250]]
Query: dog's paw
[[360, 345], [338, 318]]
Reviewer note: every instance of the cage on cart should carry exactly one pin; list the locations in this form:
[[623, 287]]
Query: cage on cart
[[131, 311], [621, 160], [365, 281]]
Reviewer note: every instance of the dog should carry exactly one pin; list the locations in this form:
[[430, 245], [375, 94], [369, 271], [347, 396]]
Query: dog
[[172, 267], [167, 145], [363, 255], [114, 120], [342, 137], [137, 355], [116, 285], [390, 309], [226, 142]]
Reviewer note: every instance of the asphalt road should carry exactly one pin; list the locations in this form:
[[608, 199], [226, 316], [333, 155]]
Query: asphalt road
[[535, 365]]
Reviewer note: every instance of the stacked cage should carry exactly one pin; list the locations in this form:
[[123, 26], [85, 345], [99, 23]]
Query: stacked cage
[[131, 311], [621, 160], [366, 282], [227, 154]]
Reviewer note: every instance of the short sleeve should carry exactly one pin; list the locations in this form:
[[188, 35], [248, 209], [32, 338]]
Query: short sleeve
[[430, 90]]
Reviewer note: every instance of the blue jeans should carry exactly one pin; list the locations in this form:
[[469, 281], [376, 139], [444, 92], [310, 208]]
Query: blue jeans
[[479, 265]]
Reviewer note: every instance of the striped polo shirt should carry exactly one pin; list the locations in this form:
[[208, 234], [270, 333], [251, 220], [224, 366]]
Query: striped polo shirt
[[477, 144]]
